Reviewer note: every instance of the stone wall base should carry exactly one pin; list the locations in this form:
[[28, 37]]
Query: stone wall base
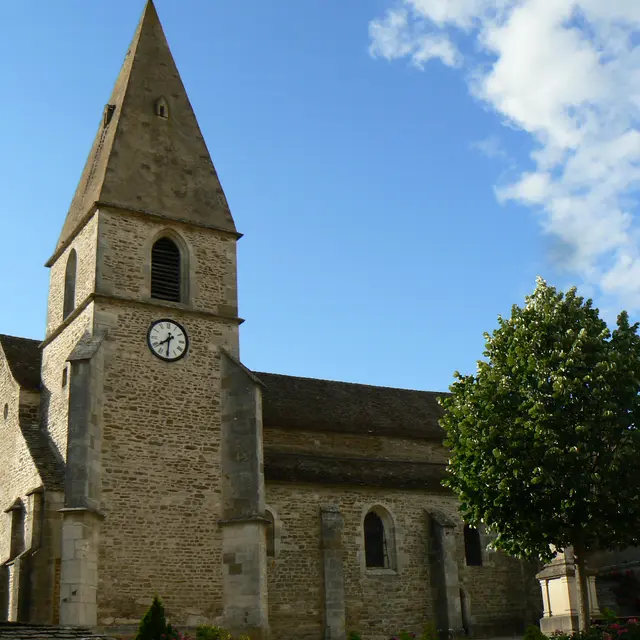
[[567, 623]]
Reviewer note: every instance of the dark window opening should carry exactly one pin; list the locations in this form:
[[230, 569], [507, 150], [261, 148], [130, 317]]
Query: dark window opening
[[375, 541], [65, 377], [270, 532], [472, 546], [109, 110], [162, 108], [6, 411], [165, 271], [69, 303], [17, 529]]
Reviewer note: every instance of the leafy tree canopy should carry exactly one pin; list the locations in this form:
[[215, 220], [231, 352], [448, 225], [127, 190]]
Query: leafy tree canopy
[[544, 439]]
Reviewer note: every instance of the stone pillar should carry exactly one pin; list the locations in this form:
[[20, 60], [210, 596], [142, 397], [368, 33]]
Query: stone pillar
[[559, 584], [243, 508], [332, 554], [14, 590], [80, 516], [4, 592], [445, 583], [79, 567]]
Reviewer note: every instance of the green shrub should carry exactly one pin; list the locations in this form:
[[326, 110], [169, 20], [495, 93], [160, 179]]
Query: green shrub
[[429, 631], [532, 632], [354, 635], [211, 632], [153, 625]]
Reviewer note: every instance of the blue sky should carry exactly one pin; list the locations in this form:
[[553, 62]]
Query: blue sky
[[377, 178]]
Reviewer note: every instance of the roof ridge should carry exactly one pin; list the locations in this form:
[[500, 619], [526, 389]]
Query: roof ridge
[[345, 382], [6, 335]]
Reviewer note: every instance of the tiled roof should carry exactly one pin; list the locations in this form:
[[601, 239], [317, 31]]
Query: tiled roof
[[315, 469], [325, 405], [24, 358]]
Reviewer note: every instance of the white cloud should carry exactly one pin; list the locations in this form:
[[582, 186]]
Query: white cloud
[[567, 72], [395, 36], [490, 147]]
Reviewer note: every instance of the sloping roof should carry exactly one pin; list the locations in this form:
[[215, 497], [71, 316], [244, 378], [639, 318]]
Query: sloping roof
[[325, 405], [142, 161], [24, 358], [314, 469]]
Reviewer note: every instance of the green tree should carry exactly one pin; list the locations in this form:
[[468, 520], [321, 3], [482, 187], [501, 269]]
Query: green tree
[[544, 443], [153, 625]]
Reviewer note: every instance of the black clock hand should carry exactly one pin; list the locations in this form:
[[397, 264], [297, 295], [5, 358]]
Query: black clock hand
[[169, 339]]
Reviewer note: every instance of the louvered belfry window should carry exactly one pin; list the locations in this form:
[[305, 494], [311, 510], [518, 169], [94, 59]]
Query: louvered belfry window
[[165, 271]]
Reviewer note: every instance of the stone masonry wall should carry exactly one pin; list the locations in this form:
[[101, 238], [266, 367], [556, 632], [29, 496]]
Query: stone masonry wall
[[55, 394], [18, 473], [56, 352], [19, 478], [125, 242], [379, 603], [347, 444], [161, 493], [84, 244]]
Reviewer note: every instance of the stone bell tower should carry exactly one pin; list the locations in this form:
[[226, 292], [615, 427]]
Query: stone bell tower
[[142, 320]]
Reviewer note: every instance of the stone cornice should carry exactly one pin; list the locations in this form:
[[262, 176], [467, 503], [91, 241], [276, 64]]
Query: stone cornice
[[157, 217], [157, 304]]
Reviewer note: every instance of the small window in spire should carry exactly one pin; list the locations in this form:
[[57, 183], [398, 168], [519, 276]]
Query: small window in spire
[[108, 114], [69, 302], [166, 271], [162, 107]]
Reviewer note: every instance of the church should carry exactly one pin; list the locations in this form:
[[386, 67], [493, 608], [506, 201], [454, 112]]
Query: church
[[139, 456]]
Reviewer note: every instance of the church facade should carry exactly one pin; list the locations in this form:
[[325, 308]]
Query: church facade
[[140, 457]]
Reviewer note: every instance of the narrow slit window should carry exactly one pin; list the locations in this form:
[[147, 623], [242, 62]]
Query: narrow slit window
[[270, 533], [17, 529], [472, 546], [69, 303], [166, 271], [375, 541], [162, 108]]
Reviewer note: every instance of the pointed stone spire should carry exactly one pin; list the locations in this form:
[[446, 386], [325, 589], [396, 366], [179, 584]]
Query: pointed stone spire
[[149, 153]]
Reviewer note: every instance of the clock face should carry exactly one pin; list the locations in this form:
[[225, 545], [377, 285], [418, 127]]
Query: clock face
[[168, 340]]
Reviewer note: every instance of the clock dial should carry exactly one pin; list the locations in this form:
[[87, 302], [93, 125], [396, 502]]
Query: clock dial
[[168, 340]]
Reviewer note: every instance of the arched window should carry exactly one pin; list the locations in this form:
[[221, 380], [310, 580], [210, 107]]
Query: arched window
[[270, 533], [166, 271], [472, 546], [375, 541], [70, 273]]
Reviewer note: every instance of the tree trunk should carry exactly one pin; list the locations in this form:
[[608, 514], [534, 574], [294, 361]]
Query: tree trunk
[[584, 610]]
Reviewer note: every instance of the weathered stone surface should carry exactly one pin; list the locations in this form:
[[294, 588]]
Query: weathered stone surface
[[165, 489], [378, 602], [141, 160]]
